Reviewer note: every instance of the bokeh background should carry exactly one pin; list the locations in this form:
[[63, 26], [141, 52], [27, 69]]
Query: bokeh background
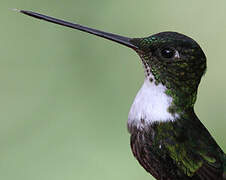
[[65, 95]]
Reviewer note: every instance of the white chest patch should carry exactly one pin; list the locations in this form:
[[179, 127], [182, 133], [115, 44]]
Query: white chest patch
[[150, 105]]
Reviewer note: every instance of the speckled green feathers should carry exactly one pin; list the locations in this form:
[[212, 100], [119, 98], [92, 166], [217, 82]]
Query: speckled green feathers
[[191, 146], [181, 74], [181, 149]]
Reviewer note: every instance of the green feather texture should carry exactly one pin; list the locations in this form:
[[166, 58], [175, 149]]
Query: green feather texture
[[195, 154], [180, 74], [177, 62]]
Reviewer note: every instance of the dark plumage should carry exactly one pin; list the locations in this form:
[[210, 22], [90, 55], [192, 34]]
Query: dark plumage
[[171, 151]]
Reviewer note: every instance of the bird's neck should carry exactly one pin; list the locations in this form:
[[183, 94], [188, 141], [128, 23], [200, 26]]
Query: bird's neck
[[157, 103]]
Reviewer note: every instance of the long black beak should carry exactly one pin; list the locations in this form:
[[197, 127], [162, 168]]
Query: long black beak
[[113, 37]]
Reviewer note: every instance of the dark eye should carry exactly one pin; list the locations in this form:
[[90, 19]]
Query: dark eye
[[168, 53]]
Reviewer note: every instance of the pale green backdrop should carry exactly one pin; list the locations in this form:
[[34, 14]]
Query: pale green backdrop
[[65, 95]]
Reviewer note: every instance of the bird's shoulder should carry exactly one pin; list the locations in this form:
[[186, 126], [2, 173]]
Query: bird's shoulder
[[191, 147]]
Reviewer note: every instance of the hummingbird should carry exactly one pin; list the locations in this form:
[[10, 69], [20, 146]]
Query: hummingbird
[[167, 138]]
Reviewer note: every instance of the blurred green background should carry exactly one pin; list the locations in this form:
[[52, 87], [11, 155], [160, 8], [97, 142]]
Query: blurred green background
[[65, 95]]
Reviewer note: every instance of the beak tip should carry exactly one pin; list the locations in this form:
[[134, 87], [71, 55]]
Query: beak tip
[[15, 9]]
